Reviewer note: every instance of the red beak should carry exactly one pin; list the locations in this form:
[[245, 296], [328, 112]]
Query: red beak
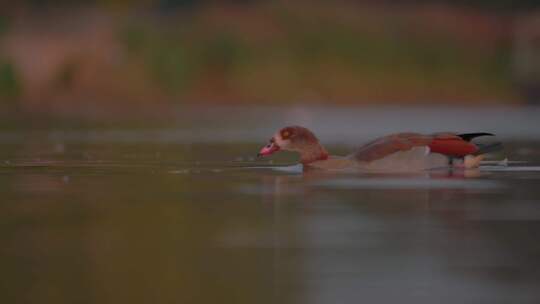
[[268, 149]]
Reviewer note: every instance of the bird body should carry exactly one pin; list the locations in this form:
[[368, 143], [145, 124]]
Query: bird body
[[395, 152]]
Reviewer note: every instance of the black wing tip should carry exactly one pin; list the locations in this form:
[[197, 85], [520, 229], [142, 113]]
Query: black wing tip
[[469, 136]]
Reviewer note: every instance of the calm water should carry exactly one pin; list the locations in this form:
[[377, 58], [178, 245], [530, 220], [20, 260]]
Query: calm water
[[186, 215]]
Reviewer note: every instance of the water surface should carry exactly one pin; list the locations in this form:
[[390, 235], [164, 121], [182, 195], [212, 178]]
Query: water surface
[[140, 216]]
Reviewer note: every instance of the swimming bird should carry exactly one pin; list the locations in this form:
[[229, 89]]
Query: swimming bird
[[394, 152]]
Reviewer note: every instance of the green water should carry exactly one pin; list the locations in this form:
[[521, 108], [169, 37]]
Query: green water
[[103, 222], [182, 212]]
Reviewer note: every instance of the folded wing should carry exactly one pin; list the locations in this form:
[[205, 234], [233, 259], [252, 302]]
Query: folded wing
[[384, 146], [449, 144]]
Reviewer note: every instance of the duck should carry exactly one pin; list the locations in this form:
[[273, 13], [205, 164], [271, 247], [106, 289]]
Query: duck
[[406, 151]]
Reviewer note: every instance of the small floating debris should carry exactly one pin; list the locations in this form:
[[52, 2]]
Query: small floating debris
[[505, 162]]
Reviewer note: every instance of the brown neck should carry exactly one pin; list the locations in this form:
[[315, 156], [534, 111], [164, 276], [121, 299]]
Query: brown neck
[[313, 153]]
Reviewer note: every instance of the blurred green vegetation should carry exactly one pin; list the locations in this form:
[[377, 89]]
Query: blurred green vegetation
[[318, 53], [10, 87], [3, 24], [268, 52], [165, 59], [174, 59]]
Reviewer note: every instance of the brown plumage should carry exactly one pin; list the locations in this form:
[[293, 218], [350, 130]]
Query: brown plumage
[[390, 144], [303, 141]]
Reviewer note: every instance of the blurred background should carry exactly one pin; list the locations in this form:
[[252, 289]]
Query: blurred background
[[129, 130], [119, 58]]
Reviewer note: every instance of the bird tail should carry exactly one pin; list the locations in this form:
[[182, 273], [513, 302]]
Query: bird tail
[[482, 148], [469, 136]]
